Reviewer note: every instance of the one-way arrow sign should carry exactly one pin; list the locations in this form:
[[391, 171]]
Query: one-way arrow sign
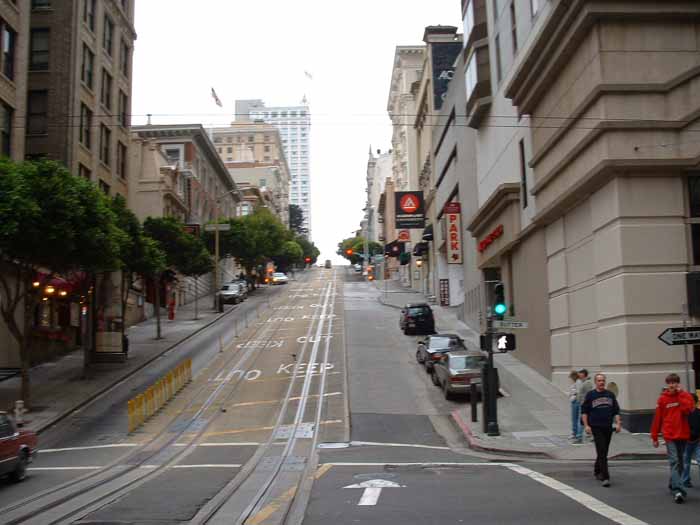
[[373, 488], [681, 336]]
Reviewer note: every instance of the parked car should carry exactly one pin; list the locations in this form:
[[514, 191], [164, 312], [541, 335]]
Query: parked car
[[279, 278], [17, 448], [244, 285], [231, 293], [358, 267], [432, 348], [417, 318], [327, 263], [455, 371]]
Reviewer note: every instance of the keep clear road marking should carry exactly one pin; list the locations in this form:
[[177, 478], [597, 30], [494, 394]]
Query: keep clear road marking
[[582, 498], [373, 489]]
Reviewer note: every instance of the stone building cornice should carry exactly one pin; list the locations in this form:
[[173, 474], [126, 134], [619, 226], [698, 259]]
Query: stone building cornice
[[566, 26], [500, 199]]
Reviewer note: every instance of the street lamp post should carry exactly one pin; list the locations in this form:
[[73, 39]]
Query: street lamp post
[[218, 307]]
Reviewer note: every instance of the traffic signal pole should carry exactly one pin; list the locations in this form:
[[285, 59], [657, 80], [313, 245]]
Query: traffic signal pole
[[490, 391]]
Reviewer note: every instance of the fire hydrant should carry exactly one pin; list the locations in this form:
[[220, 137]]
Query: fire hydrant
[[171, 310]]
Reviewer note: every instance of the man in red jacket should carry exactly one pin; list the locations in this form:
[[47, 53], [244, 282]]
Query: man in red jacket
[[672, 409]]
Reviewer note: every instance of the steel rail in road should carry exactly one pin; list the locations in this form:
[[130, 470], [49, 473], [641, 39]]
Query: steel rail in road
[[210, 512], [127, 476]]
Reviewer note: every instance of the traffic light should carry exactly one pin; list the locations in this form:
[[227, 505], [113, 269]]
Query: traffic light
[[307, 260], [499, 301], [348, 252]]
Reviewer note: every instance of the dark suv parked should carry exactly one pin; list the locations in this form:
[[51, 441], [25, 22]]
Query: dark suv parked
[[417, 318]]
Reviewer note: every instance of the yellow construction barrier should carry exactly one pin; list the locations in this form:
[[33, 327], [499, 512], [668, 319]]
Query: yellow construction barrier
[[146, 404]]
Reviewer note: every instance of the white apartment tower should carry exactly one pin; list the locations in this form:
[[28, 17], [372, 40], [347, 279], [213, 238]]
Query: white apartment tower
[[293, 123]]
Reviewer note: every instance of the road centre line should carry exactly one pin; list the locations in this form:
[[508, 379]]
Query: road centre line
[[89, 447], [580, 497], [273, 401], [227, 444], [412, 445], [260, 429]]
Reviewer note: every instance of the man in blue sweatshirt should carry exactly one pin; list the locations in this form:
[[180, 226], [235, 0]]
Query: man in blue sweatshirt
[[692, 450], [598, 411]]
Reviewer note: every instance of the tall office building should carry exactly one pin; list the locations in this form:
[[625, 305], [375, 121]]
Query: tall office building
[[293, 123]]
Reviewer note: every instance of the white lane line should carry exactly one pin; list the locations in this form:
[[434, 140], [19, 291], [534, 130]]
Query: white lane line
[[230, 465], [370, 496], [582, 498], [235, 444], [36, 469], [416, 464], [412, 445], [90, 447]]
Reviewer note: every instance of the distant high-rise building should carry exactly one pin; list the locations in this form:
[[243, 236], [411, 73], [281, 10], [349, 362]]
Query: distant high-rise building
[[293, 123]]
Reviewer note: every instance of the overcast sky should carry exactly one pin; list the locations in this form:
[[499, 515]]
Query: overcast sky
[[260, 49]]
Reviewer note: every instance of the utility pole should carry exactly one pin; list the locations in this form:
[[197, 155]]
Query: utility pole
[[218, 307], [490, 383]]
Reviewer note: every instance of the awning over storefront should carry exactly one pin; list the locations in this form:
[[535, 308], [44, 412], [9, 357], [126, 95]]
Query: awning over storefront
[[428, 233], [420, 248]]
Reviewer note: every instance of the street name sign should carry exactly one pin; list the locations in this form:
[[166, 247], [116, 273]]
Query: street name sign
[[509, 324], [681, 336], [214, 227]]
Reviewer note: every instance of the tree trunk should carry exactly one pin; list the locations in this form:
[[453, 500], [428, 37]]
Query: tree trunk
[[157, 306], [196, 285], [25, 348]]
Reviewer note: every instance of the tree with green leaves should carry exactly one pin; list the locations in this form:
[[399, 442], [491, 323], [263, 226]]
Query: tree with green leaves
[[310, 250], [197, 262], [50, 221], [290, 254], [357, 245], [296, 220], [177, 245], [140, 254]]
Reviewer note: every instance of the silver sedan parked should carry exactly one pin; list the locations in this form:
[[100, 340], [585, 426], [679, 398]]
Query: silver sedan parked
[[454, 372], [432, 347]]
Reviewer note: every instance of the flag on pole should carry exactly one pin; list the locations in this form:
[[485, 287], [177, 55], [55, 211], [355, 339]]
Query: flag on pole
[[216, 98], [308, 75]]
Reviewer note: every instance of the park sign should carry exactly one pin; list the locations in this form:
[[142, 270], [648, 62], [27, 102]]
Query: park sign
[[409, 209], [681, 335], [454, 232]]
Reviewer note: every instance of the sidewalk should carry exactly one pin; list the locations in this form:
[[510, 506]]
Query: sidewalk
[[58, 387], [533, 415]]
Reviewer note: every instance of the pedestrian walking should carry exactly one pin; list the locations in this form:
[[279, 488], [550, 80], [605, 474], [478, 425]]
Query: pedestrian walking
[[583, 386], [576, 426], [671, 418], [599, 410], [692, 450]]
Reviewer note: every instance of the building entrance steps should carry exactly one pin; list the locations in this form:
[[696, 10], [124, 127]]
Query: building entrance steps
[[58, 387], [533, 414]]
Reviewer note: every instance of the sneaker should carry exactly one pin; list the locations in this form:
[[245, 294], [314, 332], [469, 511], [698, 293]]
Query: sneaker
[[678, 497], [606, 483]]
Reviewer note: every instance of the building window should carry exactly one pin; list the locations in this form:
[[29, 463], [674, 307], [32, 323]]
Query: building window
[[105, 140], [263, 183], [37, 112], [9, 37], [88, 73], [121, 160], [108, 36], [123, 110], [499, 70], [104, 187], [267, 149], [85, 126], [41, 4], [468, 20], [534, 7], [513, 28], [229, 150], [84, 172], [39, 50], [495, 9], [6, 114], [106, 92], [89, 14], [124, 54], [523, 172], [251, 138], [125, 6]]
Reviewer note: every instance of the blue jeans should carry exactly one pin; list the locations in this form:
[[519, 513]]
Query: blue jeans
[[692, 451], [576, 426], [676, 451]]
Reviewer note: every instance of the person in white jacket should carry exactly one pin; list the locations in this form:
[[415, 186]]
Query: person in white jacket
[[576, 427]]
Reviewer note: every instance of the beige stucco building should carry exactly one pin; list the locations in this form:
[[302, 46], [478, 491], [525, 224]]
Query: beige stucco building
[[587, 173], [379, 169], [253, 153]]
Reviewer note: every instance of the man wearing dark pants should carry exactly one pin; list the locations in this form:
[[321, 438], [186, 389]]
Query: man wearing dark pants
[[598, 411], [671, 418]]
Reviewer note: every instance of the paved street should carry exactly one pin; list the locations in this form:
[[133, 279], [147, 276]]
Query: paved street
[[262, 434]]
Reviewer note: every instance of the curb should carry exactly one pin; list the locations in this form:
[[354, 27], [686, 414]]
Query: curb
[[127, 375], [474, 444]]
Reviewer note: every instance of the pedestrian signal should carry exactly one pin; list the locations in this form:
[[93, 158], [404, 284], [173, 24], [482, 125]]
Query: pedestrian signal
[[505, 342]]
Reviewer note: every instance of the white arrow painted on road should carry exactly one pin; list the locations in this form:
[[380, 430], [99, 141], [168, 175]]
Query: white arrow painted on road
[[373, 489]]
